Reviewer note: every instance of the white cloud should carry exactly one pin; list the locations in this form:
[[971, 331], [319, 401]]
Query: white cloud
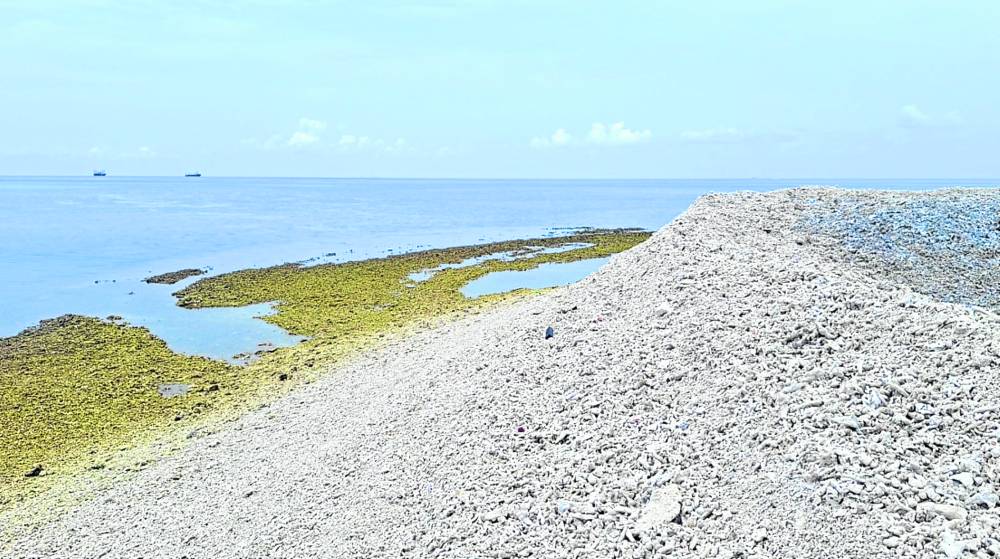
[[558, 138], [561, 137], [311, 134], [616, 134], [301, 138], [599, 134], [912, 116]]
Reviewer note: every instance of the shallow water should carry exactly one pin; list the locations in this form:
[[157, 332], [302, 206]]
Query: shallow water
[[217, 332], [509, 256], [84, 244], [552, 274]]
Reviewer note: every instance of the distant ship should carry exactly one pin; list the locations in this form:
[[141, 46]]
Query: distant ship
[[100, 174], [193, 175]]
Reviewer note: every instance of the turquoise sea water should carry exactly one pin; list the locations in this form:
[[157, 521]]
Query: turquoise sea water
[[83, 244]]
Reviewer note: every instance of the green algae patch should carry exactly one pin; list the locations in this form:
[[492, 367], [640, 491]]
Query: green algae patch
[[333, 301], [346, 307], [75, 387], [78, 394]]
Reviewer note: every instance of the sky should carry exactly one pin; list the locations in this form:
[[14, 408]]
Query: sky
[[491, 88]]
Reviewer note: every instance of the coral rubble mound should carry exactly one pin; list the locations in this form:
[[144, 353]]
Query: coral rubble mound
[[743, 384]]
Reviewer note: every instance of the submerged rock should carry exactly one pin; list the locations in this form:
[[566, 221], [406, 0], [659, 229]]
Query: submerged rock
[[170, 278]]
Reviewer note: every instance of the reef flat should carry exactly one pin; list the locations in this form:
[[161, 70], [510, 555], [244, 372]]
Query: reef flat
[[77, 391], [331, 301], [171, 278], [74, 388], [737, 386]]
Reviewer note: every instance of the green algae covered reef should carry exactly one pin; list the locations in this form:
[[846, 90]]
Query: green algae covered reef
[[75, 392], [74, 388], [370, 296]]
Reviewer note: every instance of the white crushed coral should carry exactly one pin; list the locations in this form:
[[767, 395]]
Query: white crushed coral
[[787, 403]]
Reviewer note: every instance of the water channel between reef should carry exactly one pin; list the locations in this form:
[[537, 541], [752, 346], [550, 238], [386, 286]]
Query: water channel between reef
[[234, 333]]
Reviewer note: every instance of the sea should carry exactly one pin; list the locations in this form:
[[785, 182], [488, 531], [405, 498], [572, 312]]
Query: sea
[[83, 245]]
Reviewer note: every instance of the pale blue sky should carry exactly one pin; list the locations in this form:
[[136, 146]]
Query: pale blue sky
[[560, 88]]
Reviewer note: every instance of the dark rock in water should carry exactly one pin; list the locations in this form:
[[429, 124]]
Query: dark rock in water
[[34, 472], [549, 332], [174, 277]]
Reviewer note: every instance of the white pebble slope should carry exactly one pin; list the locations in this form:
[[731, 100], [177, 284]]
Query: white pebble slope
[[729, 388]]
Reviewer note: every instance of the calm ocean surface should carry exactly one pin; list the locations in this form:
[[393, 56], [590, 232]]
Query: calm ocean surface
[[83, 245]]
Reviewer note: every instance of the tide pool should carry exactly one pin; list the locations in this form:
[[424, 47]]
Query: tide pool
[[553, 274]]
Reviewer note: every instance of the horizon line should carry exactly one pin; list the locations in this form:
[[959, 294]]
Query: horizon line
[[522, 178]]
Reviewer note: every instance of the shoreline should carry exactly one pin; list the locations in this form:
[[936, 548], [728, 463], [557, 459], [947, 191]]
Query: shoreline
[[739, 384], [79, 391], [163, 281]]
